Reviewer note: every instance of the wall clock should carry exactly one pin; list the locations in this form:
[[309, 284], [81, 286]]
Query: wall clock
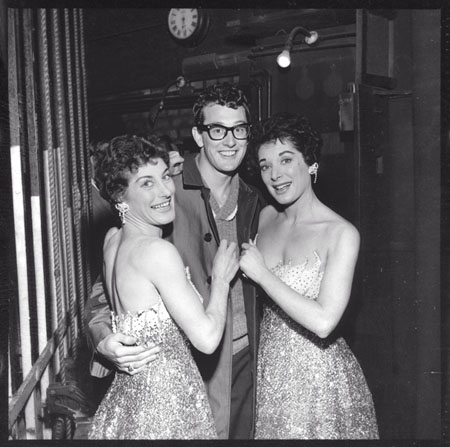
[[188, 26]]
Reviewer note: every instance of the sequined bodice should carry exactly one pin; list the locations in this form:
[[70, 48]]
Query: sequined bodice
[[303, 278], [147, 326], [152, 325]]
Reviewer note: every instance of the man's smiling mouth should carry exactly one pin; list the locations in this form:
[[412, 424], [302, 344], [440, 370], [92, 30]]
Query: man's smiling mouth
[[230, 153]]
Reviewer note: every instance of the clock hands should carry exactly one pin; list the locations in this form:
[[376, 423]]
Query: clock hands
[[188, 26]]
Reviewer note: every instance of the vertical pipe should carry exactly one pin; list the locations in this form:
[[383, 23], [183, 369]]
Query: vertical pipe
[[22, 274], [56, 218], [10, 393], [67, 301], [34, 425], [40, 291], [360, 54], [73, 149], [391, 59], [61, 132], [259, 95], [56, 247], [33, 148], [18, 201], [51, 256], [87, 180], [82, 57], [21, 257], [269, 95], [80, 72], [47, 138]]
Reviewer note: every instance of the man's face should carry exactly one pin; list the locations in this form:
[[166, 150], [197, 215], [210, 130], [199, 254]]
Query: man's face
[[227, 154]]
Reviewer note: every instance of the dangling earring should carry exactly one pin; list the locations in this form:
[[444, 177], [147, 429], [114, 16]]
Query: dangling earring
[[312, 170], [123, 208]]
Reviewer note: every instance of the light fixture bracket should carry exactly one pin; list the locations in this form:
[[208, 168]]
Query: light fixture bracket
[[284, 59]]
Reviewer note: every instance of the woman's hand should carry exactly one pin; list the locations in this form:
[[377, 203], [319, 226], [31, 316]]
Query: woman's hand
[[252, 262], [226, 263]]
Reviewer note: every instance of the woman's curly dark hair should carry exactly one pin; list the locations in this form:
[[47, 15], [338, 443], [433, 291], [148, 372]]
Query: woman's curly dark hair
[[224, 94], [286, 127], [116, 159]]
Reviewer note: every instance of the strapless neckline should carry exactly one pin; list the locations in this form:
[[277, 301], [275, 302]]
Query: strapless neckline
[[299, 265]]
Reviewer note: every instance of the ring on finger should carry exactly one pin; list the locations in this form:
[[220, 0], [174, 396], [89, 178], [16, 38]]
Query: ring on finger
[[130, 368]]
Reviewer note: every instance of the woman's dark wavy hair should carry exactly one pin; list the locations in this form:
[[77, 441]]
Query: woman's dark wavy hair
[[286, 127], [116, 159], [224, 94]]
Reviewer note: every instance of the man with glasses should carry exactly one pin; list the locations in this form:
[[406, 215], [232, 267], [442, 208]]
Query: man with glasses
[[212, 203]]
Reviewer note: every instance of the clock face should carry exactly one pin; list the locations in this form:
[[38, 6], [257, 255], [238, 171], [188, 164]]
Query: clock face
[[183, 22]]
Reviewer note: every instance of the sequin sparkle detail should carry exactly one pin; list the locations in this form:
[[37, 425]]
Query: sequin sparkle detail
[[165, 401], [308, 387]]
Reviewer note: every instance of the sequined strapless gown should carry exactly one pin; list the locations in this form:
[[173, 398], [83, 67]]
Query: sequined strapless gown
[[308, 387], [165, 401]]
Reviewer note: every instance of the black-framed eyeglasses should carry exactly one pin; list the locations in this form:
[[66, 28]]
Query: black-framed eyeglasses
[[218, 132]]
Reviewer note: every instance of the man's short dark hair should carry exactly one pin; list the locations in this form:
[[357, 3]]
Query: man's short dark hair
[[224, 94]]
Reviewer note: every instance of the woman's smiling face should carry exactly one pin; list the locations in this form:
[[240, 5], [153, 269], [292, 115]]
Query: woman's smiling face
[[150, 193], [283, 171]]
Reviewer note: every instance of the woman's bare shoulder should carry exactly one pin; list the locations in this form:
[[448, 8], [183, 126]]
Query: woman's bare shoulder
[[341, 225], [111, 232], [267, 213], [342, 232], [154, 249], [109, 237], [154, 256]]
